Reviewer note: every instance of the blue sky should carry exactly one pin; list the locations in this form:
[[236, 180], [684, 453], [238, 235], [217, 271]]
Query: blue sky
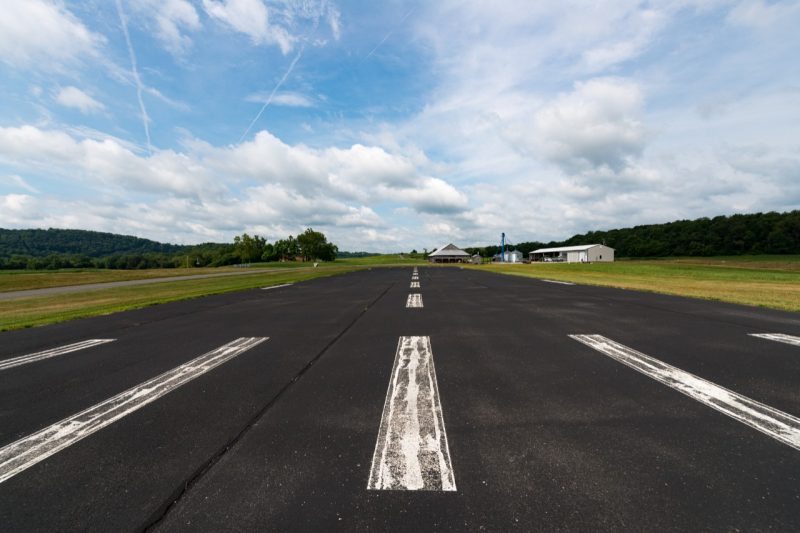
[[394, 125]]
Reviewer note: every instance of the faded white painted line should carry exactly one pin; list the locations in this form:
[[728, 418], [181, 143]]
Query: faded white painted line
[[778, 337], [777, 424], [559, 282], [275, 286], [411, 452], [414, 300], [53, 352], [414, 285], [26, 452]]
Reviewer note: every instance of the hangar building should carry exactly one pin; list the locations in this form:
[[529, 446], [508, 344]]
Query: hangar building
[[449, 254], [587, 253]]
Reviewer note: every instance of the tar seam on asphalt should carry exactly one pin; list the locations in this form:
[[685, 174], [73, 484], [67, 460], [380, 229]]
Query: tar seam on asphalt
[[158, 516]]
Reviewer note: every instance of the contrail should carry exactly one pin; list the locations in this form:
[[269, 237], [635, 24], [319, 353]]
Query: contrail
[[387, 35], [288, 70], [274, 90], [135, 72]]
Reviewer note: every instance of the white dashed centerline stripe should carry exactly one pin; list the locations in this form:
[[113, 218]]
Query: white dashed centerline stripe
[[411, 452], [777, 424], [53, 352], [778, 337], [26, 452], [275, 286], [559, 282], [414, 300], [414, 285]]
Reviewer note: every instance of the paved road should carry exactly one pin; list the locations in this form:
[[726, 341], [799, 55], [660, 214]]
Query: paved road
[[517, 426], [67, 289]]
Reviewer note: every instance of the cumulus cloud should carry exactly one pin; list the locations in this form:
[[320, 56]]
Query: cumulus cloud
[[598, 124], [264, 183], [105, 162], [252, 18], [43, 34], [77, 99]]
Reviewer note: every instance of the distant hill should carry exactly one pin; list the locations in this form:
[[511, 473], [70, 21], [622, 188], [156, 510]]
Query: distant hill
[[758, 233], [44, 242]]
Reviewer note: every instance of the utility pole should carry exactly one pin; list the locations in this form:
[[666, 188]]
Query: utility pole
[[503, 248]]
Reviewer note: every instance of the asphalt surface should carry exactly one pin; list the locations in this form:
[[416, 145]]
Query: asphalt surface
[[544, 432], [68, 289]]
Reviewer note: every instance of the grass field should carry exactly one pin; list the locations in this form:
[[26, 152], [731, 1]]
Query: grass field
[[28, 312], [766, 281], [21, 280]]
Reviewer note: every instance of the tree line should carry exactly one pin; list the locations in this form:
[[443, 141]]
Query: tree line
[[58, 248], [752, 234]]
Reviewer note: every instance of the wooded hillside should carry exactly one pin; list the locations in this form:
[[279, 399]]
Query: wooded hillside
[[759, 233]]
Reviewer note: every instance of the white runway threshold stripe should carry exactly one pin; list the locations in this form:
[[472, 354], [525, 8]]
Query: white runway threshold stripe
[[556, 281], [414, 285], [26, 452], [53, 352], [777, 424], [778, 337], [414, 300], [411, 452]]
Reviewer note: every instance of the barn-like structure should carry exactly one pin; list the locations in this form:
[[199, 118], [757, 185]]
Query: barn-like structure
[[449, 254]]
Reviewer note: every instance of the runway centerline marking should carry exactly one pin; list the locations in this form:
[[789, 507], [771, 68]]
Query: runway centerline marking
[[411, 452], [414, 285], [780, 426], [556, 281], [52, 352], [276, 286], [778, 337], [30, 450], [414, 300]]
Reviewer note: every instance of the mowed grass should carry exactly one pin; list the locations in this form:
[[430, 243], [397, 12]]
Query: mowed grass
[[21, 280], [28, 312], [766, 281]]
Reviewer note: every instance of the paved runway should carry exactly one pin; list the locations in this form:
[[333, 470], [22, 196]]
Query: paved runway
[[468, 401]]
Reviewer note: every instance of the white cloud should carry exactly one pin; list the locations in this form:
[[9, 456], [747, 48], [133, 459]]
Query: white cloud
[[264, 183], [43, 34], [105, 163], [436, 196], [171, 18], [597, 124], [250, 17], [764, 15], [77, 99]]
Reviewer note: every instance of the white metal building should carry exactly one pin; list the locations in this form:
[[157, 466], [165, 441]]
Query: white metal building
[[587, 253]]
